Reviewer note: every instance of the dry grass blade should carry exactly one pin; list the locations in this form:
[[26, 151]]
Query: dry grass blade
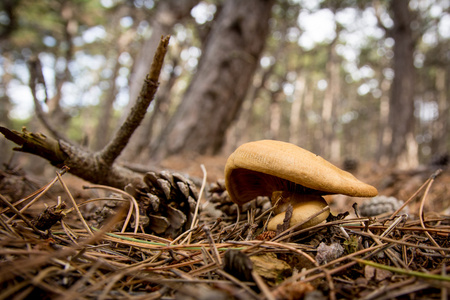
[[75, 205], [403, 271], [422, 203], [194, 218]]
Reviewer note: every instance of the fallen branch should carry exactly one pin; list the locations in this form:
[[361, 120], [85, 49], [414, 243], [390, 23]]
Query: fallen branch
[[96, 167]]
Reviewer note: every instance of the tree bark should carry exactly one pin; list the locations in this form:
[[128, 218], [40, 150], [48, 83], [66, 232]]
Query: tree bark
[[239, 132], [402, 148], [168, 13], [275, 115], [5, 108], [330, 142], [296, 109], [441, 127], [384, 133], [106, 109], [230, 56]]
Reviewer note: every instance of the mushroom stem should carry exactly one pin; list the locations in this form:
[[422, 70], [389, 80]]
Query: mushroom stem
[[304, 206]]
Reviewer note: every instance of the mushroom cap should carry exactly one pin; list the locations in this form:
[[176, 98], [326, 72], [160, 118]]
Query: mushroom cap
[[259, 168]]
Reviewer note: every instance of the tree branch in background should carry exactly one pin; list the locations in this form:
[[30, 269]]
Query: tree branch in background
[[96, 167], [37, 78], [137, 113]]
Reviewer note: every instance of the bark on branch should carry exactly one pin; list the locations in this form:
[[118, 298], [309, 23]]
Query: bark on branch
[[96, 167]]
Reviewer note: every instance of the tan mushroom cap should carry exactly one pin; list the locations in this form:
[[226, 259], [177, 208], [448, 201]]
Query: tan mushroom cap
[[259, 168]]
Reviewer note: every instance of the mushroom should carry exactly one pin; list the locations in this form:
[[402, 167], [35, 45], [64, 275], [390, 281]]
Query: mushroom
[[288, 174]]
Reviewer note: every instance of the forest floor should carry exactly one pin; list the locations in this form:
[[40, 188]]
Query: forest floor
[[226, 255]]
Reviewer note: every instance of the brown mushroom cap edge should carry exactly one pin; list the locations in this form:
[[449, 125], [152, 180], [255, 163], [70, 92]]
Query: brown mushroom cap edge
[[262, 167]]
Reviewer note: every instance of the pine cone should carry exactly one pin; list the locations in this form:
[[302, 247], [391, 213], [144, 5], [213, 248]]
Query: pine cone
[[218, 197], [169, 201]]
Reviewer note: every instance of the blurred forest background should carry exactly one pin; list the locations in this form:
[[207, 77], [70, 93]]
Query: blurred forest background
[[344, 79]]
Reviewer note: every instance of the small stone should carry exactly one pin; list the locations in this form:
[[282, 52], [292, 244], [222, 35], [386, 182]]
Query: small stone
[[327, 253], [380, 205]]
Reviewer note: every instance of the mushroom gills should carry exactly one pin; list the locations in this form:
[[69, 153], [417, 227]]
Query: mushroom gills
[[304, 206]]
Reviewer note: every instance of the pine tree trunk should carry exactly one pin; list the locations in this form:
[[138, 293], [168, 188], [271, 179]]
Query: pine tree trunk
[[295, 130], [5, 108], [168, 13], [330, 146], [402, 148], [103, 133], [216, 93], [441, 127], [384, 133]]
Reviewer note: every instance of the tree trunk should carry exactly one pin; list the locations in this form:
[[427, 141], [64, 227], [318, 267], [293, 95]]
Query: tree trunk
[[295, 130], [275, 115], [55, 112], [330, 143], [402, 148], [103, 133], [5, 108], [230, 56], [441, 127], [239, 133], [384, 133], [308, 133], [168, 13]]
